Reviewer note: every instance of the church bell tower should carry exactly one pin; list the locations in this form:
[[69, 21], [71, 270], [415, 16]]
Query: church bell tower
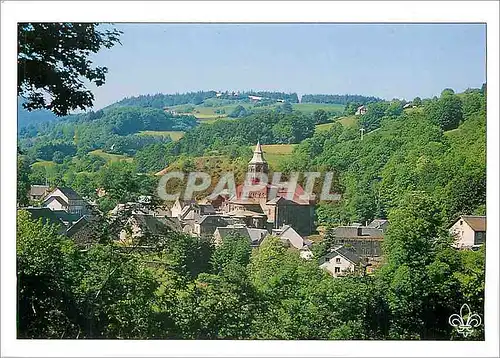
[[258, 164]]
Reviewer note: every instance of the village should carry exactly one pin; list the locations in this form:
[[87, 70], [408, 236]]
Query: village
[[355, 248]]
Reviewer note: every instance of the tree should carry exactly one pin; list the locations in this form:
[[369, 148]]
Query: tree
[[446, 111], [417, 101], [234, 250], [23, 181], [53, 58], [320, 116], [46, 276], [287, 107], [58, 157]]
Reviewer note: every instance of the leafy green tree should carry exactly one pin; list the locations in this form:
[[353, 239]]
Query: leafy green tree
[[472, 102], [418, 276], [23, 181], [446, 111], [417, 101], [54, 57], [234, 250], [320, 116], [58, 157], [46, 275]]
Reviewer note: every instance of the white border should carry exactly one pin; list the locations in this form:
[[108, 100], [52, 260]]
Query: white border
[[371, 11]]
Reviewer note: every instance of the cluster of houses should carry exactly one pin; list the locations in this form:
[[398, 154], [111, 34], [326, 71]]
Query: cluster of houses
[[267, 212]]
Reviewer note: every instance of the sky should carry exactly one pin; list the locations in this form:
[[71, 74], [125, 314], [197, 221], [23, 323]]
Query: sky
[[383, 60]]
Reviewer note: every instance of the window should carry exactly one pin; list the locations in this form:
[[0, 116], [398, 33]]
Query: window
[[337, 269], [461, 222], [337, 260]]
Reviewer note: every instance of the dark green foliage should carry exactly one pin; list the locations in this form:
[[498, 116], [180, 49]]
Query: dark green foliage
[[339, 99], [266, 127], [153, 158], [446, 111], [417, 101], [53, 58], [408, 152], [238, 112], [234, 250], [23, 180], [113, 130], [320, 116]]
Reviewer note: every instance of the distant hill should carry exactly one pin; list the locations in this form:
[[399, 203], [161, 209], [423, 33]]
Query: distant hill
[[25, 117]]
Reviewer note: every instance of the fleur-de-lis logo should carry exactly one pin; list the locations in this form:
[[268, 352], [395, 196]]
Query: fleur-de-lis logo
[[466, 321]]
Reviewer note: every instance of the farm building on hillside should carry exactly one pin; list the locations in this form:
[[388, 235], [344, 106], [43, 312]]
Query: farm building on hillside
[[361, 110]]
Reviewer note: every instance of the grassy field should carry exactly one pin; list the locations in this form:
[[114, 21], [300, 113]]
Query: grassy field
[[208, 113], [349, 121], [323, 127], [110, 157], [174, 135], [311, 107], [345, 121], [43, 163]]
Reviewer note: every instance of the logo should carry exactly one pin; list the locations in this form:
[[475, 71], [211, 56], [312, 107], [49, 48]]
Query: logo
[[466, 321]]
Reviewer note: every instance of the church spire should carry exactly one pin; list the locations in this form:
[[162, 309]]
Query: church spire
[[258, 155], [258, 164]]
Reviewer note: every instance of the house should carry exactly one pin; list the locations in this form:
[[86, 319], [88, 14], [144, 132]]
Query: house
[[56, 203], [366, 241], [66, 199], [207, 224], [255, 98], [361, 110], [254, 236], [469, 231], [290, 238], [341, 261], [38, 192], [143, 226], [179, 206]]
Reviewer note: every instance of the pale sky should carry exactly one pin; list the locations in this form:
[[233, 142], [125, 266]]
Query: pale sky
[[384, 60]]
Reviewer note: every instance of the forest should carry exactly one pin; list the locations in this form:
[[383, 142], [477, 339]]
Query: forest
[[338, 98], [184, 288]]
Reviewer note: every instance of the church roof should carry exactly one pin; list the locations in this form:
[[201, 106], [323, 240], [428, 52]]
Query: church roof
[[258, 155]]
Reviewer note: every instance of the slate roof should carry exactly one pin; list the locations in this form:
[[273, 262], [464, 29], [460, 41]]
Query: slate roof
[[70, 193], [85, 231], [477, 223], [346, 253], [212, 220], [47, 216], [155, 225], [361, 232], [66, 217], [377, 223], [255, 236]]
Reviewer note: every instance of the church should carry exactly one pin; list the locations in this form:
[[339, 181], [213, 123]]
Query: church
[[270, 207]]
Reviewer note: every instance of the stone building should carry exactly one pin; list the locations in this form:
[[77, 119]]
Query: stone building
[[271, 206]]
